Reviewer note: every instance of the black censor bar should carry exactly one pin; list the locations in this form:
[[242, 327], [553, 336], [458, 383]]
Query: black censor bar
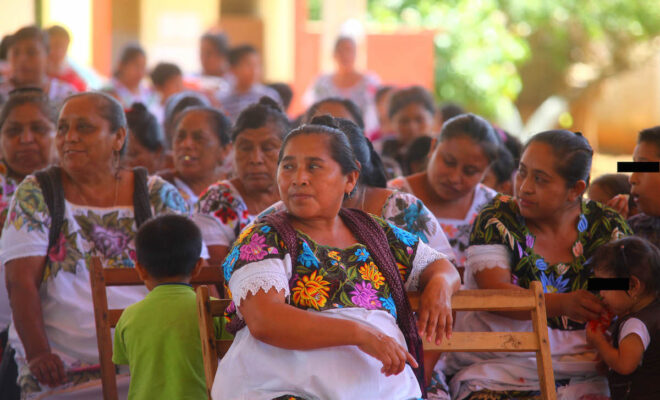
[[596, 284], [638, 166]]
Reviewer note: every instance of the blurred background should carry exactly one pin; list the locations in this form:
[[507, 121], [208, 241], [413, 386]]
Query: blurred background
[[592, 66]]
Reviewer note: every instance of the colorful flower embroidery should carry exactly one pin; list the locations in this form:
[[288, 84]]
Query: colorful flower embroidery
[[362, 255], [577, 249], [404, 236], [311, 291], [230, 261], [541, 264], [370, 272], [226, 215], [110, 234], [255, 250], [388, 303], [552, 284], [583, 225], [364, 296], [307, 257], [334, 255]]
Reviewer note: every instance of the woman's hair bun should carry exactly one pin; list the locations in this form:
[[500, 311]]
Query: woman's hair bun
[[325, 120], [137, 106], [270, 103]]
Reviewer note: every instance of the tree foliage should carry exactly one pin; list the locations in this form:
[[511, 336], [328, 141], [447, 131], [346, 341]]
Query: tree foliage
[[494, 54]]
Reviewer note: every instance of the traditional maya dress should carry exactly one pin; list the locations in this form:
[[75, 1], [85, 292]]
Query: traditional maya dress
[[500, 238], [66, 299], [7, 188], [340, 283]]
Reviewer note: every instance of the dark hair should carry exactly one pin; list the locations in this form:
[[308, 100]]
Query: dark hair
[[650, 135], [613, 184], [22, 96], [4, 47], [477, 129], [163, 72], [144, 127], [513, 144], [382, 91], [572, 151], [29, 33], [503, 166], [285, 92], [57, 30], [417, 151], [177, 103], [259, 114], [402, 98], [220, 124], [630, 256], [450, 110], [219, 42], [239, 52], [351, 107], [129, 53], [168, 246], [342, 39], [108, 108], [372, 172], [338, 144]]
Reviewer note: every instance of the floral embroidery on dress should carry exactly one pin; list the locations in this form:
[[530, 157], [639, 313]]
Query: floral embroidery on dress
[[30, 207], [164, 196], [501, 223], [223, 202], [64, 255], [324, 277], [110, 235]]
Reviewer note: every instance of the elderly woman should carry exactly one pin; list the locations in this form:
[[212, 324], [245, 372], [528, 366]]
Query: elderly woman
[[322, 289], [201, 142], [228, 206], [57, 219], [28, 60], [545, 233]]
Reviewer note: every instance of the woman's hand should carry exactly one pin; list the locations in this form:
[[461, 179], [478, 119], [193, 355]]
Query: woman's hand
[[48, 369], [386, 350], [581, 306], [435, 316], [620, 204]]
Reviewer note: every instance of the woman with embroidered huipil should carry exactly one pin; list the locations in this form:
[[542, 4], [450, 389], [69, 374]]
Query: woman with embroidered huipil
[[545, 233], [58, 218], [322, 290]]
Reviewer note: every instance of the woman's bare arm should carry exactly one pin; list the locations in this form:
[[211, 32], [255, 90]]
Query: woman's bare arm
[[438, 282]]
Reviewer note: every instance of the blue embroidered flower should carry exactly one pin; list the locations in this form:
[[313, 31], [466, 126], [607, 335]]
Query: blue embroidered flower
[[307, 257], [230, 261], [583, 224], [552, 284], [388, 304], [405, 237], [265, 229], [362, 255], [411, 215], [172, 198], [541, 264]]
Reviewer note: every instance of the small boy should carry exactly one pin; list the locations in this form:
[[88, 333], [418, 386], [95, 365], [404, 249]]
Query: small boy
[[167, 80], [158, 337], [246, 88]]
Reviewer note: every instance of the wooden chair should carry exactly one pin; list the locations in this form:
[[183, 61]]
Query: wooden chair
[[100, 279], [503, 300], [212, 349]]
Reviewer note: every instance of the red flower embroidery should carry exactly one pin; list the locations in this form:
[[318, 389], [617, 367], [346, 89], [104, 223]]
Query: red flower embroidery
[[226, 214]]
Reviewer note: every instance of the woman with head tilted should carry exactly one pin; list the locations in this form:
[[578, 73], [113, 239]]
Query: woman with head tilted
[[228, 206], [545, 233], [450, 186], [322, 289], [86, 207]]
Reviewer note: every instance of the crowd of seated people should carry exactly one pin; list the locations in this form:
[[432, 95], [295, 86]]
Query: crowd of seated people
[[320, 233]]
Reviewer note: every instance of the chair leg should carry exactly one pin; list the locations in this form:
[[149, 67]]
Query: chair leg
[[543, 355]]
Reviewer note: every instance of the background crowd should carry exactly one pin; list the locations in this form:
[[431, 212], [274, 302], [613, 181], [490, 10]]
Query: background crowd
[[385, 192]]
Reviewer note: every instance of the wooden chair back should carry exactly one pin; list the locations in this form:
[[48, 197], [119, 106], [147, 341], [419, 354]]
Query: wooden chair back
[[212, 349], [105, 319], [531, 300]]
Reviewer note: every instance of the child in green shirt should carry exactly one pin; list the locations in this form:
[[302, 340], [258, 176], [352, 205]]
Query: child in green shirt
[[158, 337]]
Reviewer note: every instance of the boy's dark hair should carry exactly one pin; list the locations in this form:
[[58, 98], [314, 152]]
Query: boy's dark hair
[[239, 52], [630, 256], [168, 246], [650, 135], [613, 184], [163, 72]]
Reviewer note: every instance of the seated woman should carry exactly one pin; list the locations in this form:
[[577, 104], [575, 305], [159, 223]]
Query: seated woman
[[46, 242], [127, 84], [201, 142], [322, 289], [228, 206], [401, 209], [546, 233], [450, 186], [27, 127], [645, 188], [146, 141]]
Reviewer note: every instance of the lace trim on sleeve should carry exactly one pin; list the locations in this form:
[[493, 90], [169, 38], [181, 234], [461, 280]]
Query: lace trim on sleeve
[[485, 256], [261, 275], [425, 255]]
